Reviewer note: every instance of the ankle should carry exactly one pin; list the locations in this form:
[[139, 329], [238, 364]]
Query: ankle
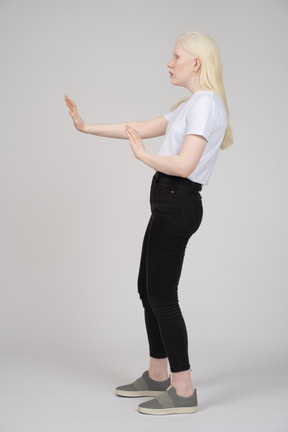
[[183, 391], [182, 383], [158, 375], [158, 369]]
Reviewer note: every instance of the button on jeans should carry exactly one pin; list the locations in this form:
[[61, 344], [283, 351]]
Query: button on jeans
[[177, 211]]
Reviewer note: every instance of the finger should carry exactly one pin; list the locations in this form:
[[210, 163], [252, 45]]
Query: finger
[[68, 99], [70, 103], [131, 139], [131, 129], [129, 132], [133, 133]]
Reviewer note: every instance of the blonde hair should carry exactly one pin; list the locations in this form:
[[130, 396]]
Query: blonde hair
[[210, 72]]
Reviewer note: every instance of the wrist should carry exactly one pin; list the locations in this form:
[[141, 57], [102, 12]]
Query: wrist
[[142, 156], [85, 128]]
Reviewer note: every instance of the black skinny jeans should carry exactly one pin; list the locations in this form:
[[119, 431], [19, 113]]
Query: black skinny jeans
[[176, 206]]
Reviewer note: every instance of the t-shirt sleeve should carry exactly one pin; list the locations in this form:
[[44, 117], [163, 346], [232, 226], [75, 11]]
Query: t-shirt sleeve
[[168, 115], [202, 118]]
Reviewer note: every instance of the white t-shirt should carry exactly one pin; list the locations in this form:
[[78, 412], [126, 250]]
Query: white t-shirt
[[202, 114]]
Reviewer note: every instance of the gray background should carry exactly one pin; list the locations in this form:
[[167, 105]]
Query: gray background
[[74, 208]]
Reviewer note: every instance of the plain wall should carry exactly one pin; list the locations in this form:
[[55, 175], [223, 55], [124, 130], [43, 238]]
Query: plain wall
[[74, 207]]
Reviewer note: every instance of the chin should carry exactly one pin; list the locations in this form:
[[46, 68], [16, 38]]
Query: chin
[[177, 83]]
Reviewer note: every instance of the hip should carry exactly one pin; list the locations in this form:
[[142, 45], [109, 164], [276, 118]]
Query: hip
[[178, 201]]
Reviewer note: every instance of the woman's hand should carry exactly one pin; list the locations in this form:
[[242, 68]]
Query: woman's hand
[[78, 122], [136, 142]]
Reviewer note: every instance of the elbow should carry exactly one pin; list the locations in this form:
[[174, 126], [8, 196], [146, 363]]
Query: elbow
[[186, 171]]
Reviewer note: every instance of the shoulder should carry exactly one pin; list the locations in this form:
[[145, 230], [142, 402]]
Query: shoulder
[[206, 108], [206, 101], [203, 97], [199, 101]]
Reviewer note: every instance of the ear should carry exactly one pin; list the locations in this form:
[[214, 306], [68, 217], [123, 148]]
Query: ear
[[197, 64]]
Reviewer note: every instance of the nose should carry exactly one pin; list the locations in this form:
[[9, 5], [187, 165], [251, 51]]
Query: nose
[[170, 64]]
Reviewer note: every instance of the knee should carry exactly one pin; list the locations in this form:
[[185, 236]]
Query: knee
[[143, 298], [166, 306], [151, 302], [145, 303]]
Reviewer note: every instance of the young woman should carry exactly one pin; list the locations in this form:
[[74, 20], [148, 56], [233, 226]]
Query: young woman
[[195, 129]]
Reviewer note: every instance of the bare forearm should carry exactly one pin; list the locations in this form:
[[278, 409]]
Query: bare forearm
[[171, 165], [116, 130], [146, 129], [181, 165]]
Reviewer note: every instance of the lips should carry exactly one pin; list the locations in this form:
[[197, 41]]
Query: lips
[[171, 74]]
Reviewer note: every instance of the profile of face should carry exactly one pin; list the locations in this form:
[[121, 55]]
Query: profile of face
[[183, 67]]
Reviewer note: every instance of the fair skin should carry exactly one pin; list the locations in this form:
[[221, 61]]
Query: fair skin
[[184, 71]]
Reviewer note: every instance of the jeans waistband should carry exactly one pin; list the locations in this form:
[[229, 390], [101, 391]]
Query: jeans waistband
[[195, 186]]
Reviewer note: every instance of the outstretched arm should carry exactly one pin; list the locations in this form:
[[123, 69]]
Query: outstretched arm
[[146, 129]]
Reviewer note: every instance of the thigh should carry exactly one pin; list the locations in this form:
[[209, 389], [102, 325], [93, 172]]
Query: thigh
[[143, 264], [166, 245], [176, 215], [164, 259]]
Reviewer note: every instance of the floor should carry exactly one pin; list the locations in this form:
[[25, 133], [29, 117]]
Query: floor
[[58, 395]]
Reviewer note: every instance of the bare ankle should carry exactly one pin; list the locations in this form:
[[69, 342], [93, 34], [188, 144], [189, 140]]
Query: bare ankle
[[158, 376], [158, 369], [182, 383], [183, 391]]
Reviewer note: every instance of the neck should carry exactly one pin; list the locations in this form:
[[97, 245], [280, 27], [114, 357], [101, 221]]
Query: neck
[[193, 88]]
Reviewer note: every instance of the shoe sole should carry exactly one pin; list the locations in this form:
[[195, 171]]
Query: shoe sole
[[142, 393], [164, 411]]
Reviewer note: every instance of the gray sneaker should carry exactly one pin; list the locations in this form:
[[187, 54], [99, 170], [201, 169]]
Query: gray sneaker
[[170, 403], [143, 386]]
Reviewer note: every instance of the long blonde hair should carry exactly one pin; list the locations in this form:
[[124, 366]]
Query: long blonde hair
[[210, 72]]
